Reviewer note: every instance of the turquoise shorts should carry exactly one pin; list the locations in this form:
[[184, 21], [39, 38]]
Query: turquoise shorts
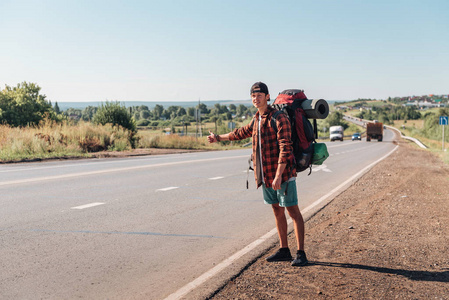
[[271, 196]]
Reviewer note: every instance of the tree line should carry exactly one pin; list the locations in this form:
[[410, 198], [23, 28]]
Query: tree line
[[387, 114], [161, 116], [24, 105]]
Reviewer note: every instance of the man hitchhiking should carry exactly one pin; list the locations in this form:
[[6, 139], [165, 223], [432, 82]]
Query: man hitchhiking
[[273, 169]]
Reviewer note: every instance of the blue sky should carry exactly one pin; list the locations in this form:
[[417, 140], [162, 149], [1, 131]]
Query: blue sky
[[181, 50]]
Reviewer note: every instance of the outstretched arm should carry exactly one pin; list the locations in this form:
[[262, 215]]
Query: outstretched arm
[[212, 138], [238, 134]]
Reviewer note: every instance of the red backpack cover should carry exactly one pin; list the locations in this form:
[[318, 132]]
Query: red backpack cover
[[289, 102]]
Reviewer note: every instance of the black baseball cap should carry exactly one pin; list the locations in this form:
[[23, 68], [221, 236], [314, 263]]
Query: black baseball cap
[[259, 87]]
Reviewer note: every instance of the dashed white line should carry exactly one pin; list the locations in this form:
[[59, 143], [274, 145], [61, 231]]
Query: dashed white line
[[323, 168], [167, 189], [80, 174], [88, 205], [216, 178]]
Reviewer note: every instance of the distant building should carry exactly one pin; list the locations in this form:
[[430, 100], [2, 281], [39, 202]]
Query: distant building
[[424, 104], [74, 117]]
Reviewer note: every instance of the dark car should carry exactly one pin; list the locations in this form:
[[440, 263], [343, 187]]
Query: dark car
[[356, 136]]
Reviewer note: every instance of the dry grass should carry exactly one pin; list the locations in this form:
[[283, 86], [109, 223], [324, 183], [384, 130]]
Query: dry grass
[[59, 140], [409, 125], [149, 139], [51, 139]]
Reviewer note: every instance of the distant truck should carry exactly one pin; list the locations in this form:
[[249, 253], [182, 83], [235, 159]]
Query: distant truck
[[374, 131], [336, 133]]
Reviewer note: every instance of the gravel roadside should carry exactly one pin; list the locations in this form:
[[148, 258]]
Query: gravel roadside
[[385, 237]]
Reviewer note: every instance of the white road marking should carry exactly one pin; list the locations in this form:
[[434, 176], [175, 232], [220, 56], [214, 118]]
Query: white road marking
[[167, 189], [91, 163], [215, 178], [323, 168], [179, 294], [88, 205], [349, 151], [335, 145], [28, 180]]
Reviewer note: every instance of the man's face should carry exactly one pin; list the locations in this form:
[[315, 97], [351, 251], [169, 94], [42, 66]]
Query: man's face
[[259, 99]]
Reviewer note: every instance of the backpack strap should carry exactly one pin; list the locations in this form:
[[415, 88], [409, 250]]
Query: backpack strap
[[249, 159], [273, 120]]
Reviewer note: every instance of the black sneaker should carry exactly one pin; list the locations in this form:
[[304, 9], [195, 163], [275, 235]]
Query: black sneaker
[[300, 260], [283, 254]]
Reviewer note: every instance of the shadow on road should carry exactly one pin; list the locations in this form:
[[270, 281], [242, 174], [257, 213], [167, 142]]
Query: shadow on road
[[413, 275]]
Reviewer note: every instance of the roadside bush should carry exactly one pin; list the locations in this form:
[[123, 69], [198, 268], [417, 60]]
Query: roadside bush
[[118, 116], [115, 114], [143, 122], [432, 129], [120, 144], [91, 144], [336, 119]]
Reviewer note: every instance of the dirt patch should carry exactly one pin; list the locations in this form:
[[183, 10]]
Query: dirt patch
[[385, 237]]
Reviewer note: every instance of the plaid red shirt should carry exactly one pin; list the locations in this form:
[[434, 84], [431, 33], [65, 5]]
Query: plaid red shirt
[[276, 146]]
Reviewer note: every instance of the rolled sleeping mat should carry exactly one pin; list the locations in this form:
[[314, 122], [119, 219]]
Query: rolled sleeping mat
[[316, 108]]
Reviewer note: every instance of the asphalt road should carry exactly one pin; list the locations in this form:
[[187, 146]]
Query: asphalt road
[[141, 228]]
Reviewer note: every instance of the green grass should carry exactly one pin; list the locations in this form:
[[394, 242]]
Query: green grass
[[412, 128]]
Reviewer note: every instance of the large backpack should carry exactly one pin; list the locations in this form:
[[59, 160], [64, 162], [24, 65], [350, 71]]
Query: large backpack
[[303, 133]]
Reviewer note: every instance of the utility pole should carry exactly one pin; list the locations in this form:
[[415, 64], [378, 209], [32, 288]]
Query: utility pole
[[198, 131], [199, 118]]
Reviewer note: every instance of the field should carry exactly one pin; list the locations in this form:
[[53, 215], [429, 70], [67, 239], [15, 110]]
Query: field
[[65, 140]]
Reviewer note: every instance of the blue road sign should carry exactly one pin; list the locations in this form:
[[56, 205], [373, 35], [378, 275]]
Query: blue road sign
[[444, 120]]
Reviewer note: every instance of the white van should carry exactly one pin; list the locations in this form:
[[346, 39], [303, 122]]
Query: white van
[[336, 133]]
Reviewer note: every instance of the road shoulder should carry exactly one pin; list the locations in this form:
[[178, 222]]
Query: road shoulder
[[384, 237]]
